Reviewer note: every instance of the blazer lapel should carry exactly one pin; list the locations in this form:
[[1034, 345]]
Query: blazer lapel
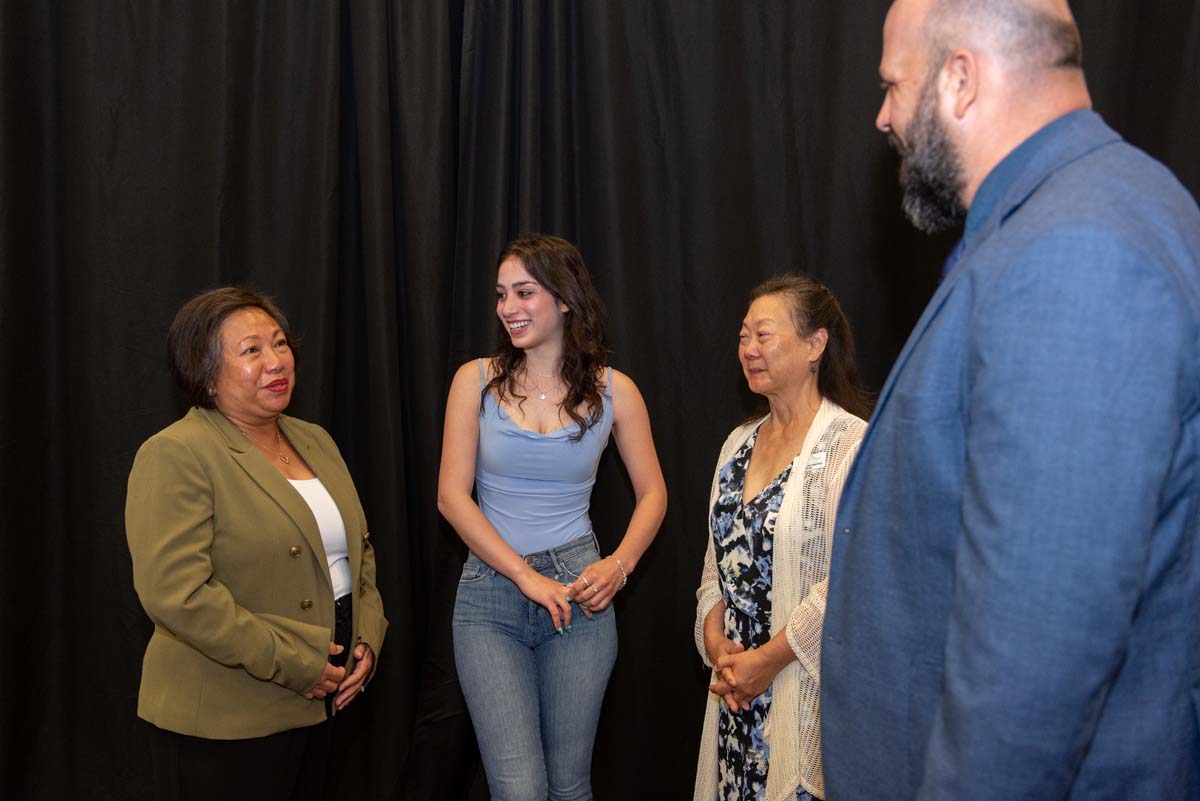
[[328, 467], [272, 482]]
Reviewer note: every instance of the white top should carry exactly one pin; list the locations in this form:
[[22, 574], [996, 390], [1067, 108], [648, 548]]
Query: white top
[[801, 544], [333, 531]]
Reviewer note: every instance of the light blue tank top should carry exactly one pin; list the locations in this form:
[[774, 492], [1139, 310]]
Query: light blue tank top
[[536, 488]]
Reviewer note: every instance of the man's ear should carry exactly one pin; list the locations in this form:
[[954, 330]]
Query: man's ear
[[960, 81]]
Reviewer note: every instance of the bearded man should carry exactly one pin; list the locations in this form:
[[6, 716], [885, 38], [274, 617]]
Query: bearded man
[[1014, 598]]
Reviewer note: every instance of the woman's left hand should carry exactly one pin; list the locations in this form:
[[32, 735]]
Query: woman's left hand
[[596, 585], [752, 673], [352, 686]]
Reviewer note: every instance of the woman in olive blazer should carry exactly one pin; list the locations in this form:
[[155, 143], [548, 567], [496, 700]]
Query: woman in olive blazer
[[229, 561]]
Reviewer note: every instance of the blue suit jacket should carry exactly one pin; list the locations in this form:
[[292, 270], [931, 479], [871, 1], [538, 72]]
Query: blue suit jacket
[[1014, 603]]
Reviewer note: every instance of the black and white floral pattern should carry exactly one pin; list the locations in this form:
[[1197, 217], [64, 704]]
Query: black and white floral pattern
[[742, 541]]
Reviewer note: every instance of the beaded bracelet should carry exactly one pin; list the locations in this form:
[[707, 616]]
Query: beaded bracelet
[[624, 575]]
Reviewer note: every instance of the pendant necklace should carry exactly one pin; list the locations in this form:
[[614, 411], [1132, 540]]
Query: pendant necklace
[[283, 457], [541, 392]]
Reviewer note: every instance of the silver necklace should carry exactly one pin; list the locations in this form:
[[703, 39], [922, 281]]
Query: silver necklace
[[541, 392], [283, 457]]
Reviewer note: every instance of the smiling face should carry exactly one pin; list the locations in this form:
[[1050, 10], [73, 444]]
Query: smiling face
[[775, 358], [529, 312], [257, 375]]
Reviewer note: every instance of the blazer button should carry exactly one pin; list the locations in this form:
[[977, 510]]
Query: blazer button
[[294, 550], [306, 604]]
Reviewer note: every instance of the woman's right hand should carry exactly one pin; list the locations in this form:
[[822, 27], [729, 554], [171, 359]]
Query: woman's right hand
[[330, 678], [550, 594], [717, 646]]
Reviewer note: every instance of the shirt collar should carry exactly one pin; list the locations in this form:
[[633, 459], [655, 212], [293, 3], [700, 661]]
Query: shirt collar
[[1006, 173]]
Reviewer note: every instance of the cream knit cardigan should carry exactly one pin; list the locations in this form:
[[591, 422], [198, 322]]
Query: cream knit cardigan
[[802, 542]]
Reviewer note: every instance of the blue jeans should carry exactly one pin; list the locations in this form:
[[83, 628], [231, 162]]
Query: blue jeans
[[534, 694]]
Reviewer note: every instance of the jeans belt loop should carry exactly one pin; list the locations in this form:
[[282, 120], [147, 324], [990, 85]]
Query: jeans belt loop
[[559, 568]]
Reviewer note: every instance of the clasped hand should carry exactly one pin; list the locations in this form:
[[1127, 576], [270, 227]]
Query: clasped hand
[[741, 675], [334, 679]]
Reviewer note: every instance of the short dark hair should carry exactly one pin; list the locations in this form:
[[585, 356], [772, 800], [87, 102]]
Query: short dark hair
[[813, 307], [194, 338]]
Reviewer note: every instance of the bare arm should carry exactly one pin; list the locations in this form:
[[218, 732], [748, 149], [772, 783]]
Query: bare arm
[[631, 430]]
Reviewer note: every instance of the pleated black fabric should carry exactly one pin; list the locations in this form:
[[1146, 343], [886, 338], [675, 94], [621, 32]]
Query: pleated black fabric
[[365, 162]]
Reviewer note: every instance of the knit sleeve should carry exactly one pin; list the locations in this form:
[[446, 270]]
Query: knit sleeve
[[708, 596], [804, 625]]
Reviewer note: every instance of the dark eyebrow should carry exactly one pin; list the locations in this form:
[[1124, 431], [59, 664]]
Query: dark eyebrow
[[519, 283], [275, 333]]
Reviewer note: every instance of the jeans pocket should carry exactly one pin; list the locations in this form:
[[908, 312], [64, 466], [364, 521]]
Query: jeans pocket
[[474, 570], [575, 565]]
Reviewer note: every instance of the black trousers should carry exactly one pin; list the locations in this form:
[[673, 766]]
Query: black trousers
[[287, 766]]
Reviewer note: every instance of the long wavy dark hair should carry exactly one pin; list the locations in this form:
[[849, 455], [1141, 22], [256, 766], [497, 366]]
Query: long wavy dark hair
[[813, 306], [556, 264]]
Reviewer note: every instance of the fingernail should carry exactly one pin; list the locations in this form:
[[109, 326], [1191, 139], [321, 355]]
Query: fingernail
[[560, 631]]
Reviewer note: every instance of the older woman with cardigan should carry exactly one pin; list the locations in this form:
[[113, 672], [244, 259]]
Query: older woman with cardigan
[[771, 517]]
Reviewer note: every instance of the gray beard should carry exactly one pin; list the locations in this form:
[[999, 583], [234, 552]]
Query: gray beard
[[931, 173]]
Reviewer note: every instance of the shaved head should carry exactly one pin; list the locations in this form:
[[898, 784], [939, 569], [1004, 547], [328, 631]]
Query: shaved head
[[1031, 36], [965, 82]]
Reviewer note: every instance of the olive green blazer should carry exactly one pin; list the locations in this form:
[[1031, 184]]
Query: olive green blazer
[[228, 563]]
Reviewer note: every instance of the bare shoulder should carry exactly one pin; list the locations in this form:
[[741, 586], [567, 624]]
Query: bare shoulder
[[467, 384], [470, 373], [471, 368], [625, 394], [620, 381]]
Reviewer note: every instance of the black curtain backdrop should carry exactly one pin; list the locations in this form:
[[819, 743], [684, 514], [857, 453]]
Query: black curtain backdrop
[[365, 161]]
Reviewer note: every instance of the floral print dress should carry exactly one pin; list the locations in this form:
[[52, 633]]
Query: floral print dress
[[742, 536]]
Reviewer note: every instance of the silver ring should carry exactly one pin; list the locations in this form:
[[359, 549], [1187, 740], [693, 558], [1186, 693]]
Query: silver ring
[[593, 589], [586, 583]]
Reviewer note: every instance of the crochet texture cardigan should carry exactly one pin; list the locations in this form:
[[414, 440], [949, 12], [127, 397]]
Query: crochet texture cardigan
[[802, 543]]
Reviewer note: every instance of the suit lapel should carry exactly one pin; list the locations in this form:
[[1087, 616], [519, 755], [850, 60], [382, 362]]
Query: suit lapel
[[927, 317], [272, 482], [328, 467]]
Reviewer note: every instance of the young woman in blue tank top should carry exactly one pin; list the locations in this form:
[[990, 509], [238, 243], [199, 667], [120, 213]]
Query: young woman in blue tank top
[[534, 635]]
